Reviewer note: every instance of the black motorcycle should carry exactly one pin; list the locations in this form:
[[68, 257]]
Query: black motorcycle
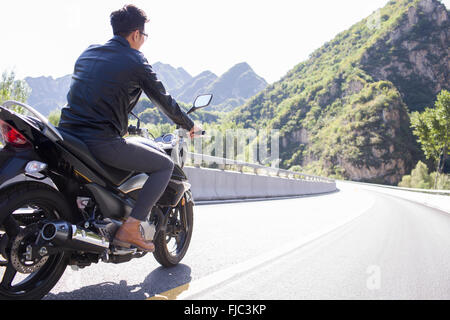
[[60, 206]]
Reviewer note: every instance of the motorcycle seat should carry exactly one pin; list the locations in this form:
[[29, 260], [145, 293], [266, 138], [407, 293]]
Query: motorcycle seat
[[80, 149]]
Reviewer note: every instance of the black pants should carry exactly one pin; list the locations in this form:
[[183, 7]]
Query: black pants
[[134, 156]]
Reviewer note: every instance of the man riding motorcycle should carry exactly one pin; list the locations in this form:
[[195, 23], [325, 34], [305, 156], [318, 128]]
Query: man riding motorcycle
[[107, 83]]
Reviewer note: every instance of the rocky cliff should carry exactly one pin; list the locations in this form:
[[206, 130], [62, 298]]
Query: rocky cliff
[[414, 55], [345, 111]]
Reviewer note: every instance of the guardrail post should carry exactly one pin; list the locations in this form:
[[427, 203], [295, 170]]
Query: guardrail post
[[269, 171]]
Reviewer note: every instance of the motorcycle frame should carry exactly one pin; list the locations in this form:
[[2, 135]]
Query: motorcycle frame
[[70, 175]]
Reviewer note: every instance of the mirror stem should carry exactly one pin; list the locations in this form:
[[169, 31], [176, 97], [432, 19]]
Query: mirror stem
[[139, 120]]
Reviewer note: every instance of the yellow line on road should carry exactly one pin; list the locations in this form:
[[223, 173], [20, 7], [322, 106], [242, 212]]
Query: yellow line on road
[[171, 294]]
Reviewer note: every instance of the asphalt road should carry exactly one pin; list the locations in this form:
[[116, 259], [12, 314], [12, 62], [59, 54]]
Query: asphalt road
[[351, 244]]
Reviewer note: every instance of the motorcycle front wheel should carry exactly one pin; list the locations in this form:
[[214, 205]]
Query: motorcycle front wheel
[[172, 244]]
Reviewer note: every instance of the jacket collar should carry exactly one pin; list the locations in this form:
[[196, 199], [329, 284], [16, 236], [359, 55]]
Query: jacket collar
[[124, 42]]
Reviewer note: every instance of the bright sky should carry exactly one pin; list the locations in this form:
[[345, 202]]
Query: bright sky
[[45, 37]]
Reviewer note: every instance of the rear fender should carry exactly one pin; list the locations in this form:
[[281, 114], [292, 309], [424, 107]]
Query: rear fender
[[13, 163], [13, 160]]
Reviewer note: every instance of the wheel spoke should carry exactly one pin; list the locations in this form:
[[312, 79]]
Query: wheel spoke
[[8, 277], [179, 241]]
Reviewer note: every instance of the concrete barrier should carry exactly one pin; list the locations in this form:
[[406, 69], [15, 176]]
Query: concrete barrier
[[205, 186], [213, 184]]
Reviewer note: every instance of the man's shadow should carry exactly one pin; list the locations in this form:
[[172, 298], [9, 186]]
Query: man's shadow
[[158, 281]]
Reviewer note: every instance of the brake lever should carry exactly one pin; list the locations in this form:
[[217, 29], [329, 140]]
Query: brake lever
[[146, 134]]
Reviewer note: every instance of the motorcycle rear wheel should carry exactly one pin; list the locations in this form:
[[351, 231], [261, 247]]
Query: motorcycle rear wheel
[[42, 202]]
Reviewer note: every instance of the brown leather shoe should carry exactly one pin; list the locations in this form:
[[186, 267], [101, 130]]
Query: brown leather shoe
[[130, 234]]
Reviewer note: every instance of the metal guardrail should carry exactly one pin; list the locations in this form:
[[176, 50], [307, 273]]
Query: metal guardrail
[[257, 169]]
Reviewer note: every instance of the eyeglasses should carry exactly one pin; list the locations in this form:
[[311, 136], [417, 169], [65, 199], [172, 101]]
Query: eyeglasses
[[143, 33]]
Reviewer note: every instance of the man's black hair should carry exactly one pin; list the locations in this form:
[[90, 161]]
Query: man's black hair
[[128, 19]]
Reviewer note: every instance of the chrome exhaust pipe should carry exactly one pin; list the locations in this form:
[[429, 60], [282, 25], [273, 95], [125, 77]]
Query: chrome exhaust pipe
[[71, 237]]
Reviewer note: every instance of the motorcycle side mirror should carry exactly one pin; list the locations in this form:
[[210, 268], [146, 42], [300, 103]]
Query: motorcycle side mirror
[[201, 101]]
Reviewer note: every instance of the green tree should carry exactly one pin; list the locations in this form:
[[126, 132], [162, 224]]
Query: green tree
[[420, 179], [12, 89], [406, 182], [54, 117], [443, 181], [432, 129]]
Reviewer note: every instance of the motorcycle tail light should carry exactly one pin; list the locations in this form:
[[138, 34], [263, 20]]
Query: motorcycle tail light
[[13, 137]]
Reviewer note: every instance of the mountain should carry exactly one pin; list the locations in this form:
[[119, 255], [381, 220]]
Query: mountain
[[197, 85], [231, 90], [48, 94], [171, 78], [344, 112], [235, 87]]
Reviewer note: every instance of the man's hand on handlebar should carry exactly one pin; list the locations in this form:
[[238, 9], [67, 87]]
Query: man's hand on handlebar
[[196, 131]]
